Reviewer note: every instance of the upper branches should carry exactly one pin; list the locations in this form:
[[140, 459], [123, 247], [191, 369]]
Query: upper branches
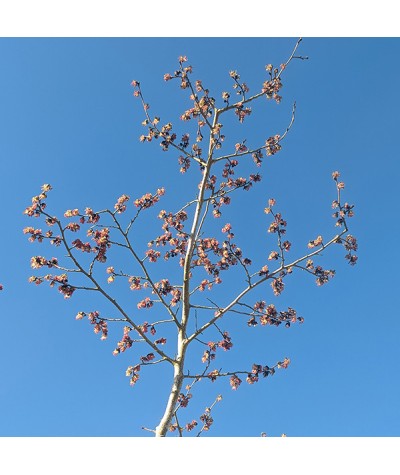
[[201, 255]]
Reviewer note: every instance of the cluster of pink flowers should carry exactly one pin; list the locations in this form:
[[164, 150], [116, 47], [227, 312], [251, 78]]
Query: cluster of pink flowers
[[132, 373], [35, 234], [146, 359], [242, 112], [91, 216], [323, 276], [235, 382], [38, 203], [125, 342], [145, 303], [183, 400], [102, 239], [315, 243], [84, 247], [277, 286], [148, 200], [120, 205], [38, 261], [100, 325], [268, 315], [206, 419], [272, 145]]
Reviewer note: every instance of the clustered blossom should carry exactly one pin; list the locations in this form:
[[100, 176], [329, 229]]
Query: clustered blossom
[[226, 344], [183, 400], [323, 276], [191, 425], [235, 382], [38, 261], [35, 234], [71, 213], [132, 372], [177, 242], [227, 252], [242, 112], [100, 325], [272, 86], [102, 239], [91, 216], [206, 419], [148, 200], [350, 244], [146, 359], [120, 205], [125, 342], [272, 145], [268, 315], [145, 303], [164, 288], [135, 283], [65, 289], [82, 246], [277, 286], [315, 243], [38, 203]]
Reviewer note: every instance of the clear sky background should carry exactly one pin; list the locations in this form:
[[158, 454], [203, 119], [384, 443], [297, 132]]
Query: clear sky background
[[68, 118]]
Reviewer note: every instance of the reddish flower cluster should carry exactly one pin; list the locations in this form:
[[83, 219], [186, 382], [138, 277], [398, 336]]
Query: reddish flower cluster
[[71, 213], [242, 112], [209, 354], [273, 256], [145, 303], [185, 163], [183, 400], [213, 375], [164, 288], [272, 87], [132, 372], [272, 145], [235, 382], [191, 425], [278, 225], [323, 276], [100, 325], [125, 343], [268, 315], [35, 234], [148, 200], [350, 244], [277, 286], [84, 247], [38, 261], [120, 205], [315, 243], [135, 283], [102, 239], [146, 359], [38, 204], [152, 255], [257, 157], [161, 341], [91, 216], [206, 419], [284, 364], [225, 343]]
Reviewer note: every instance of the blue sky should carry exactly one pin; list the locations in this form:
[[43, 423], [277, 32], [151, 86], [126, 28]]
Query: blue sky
[[68, 118]]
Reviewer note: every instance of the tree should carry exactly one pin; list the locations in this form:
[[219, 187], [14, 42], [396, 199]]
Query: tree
[[192, 260]]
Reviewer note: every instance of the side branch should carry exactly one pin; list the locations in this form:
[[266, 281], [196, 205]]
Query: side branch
[[105, 294], [250, 287]]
